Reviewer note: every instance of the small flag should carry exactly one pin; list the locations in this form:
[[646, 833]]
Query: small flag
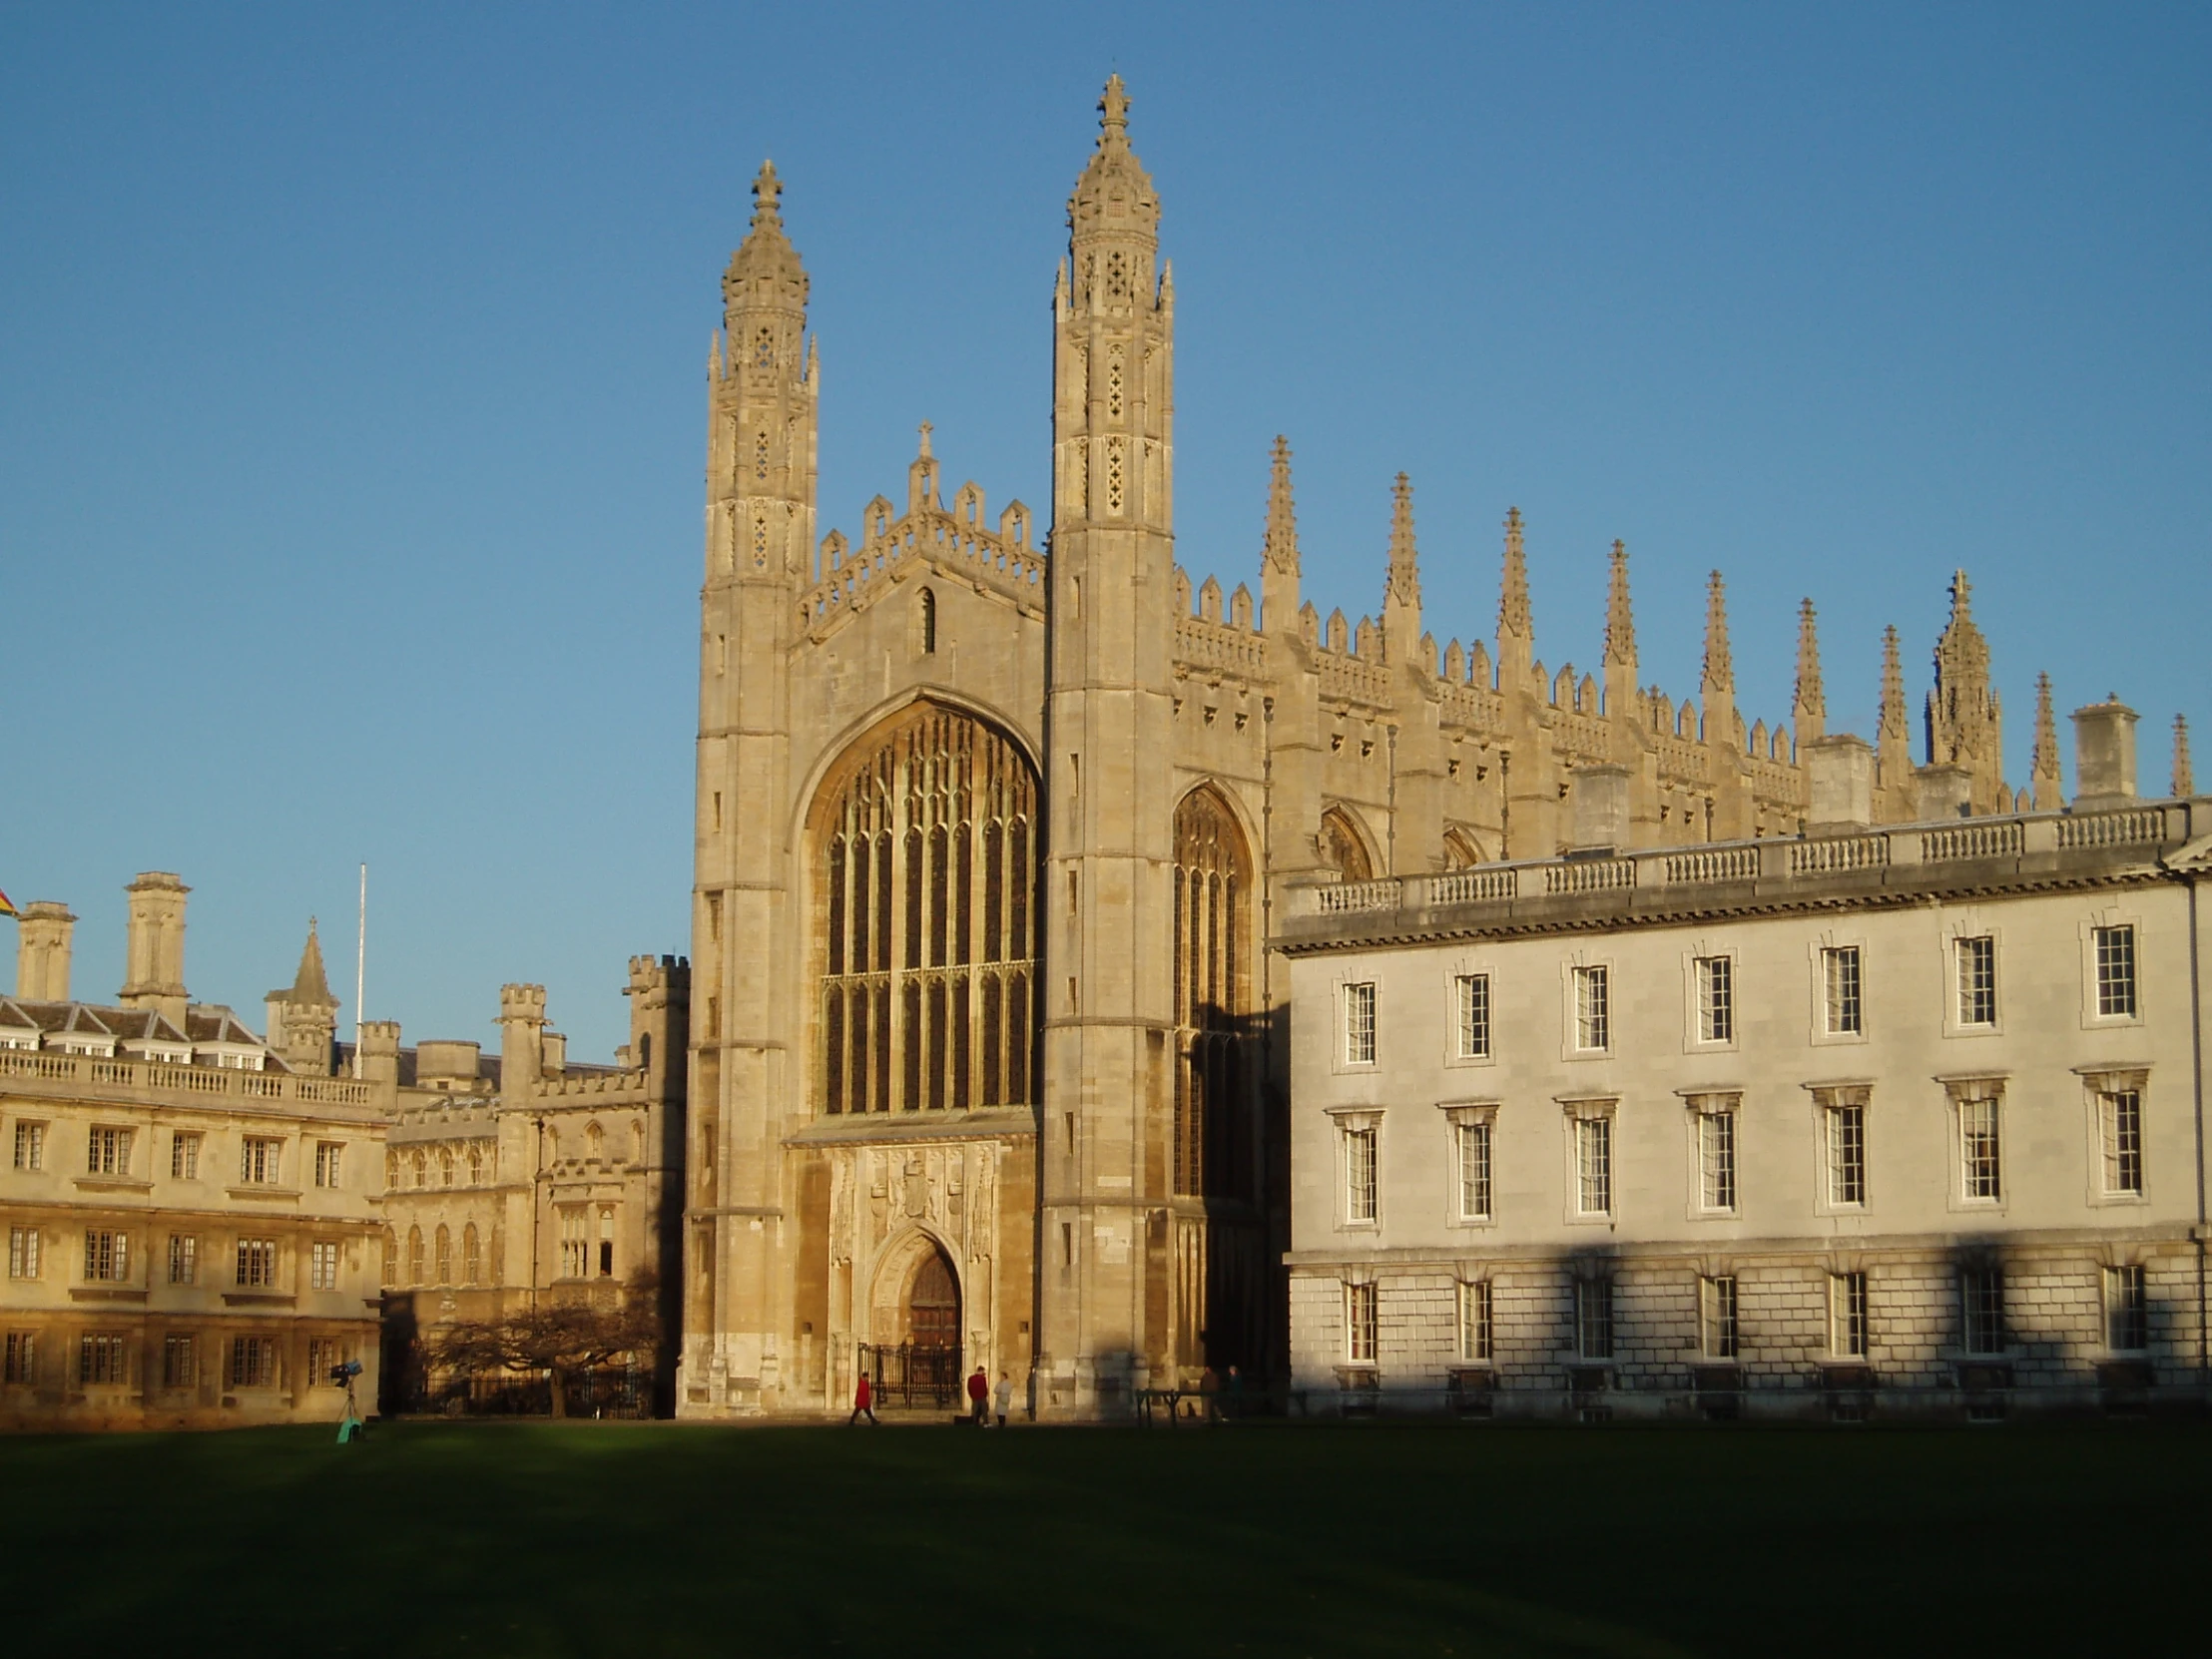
[[7, 910]]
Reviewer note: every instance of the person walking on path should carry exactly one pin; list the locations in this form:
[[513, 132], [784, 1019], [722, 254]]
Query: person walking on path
[[863, 1404], [978, 1393], [1005, 1398]]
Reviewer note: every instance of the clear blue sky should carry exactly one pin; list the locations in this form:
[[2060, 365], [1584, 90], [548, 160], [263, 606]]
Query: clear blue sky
[[352, 402]]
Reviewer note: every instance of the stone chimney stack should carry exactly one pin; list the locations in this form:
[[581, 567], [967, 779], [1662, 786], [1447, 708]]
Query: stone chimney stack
[[521, 1040], [1839, 784], [42, 951], [2104, 755], [155, 956], [1600, 803], [1943, 792]]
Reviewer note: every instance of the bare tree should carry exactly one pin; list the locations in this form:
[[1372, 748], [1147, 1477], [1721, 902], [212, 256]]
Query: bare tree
[[563, 1338]]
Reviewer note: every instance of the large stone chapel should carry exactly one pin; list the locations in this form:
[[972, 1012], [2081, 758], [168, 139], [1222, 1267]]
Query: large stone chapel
[[995, 817]]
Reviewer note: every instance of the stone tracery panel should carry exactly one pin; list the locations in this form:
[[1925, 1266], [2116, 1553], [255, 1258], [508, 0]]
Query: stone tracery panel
[[925, 861]]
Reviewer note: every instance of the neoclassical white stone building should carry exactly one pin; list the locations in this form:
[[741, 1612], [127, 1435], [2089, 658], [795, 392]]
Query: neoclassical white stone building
[[1876, 1118]]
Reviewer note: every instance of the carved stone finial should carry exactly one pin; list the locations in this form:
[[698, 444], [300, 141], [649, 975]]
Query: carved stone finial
[[1720, 667], [1513, 600], [1808, 713], [1404, 582], [1620, 619], [1113, 113], [927, 429], [768, 193], [2042, 759], [1280, 546]]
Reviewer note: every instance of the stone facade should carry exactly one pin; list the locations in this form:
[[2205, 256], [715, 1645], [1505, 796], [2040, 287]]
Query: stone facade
[[1175, 762], [1901, 1118], [202, 1223]]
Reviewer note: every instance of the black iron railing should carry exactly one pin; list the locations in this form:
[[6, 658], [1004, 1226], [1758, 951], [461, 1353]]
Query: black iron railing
[[912, 1373]]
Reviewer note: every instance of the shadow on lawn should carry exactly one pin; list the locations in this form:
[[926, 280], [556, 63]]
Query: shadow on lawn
[[1378, 1539]]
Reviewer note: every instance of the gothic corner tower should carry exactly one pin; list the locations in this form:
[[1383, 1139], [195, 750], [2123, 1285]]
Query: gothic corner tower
[[763, 384], [1104, 1257]]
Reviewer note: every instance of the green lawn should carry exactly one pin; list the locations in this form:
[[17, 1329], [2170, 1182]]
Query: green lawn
[[602, 1539]]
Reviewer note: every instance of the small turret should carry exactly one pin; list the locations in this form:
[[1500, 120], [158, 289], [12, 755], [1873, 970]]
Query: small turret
[[302, 1017]]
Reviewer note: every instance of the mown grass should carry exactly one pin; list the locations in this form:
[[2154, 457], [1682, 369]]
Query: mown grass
[[601, 1538]]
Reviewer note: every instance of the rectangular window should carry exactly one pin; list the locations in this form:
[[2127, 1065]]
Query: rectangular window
[[2120, 1127], [2126, 1310], [259, 1158], [1979, 1161], [1475, 1171], [22, 1357], [180, 1362], [1472, 993], [184, 1156], [322, 1266], [1593, 1318], [575, 1247], [327, 1156], [23, 1251], [1593, 1166], [1845, 1133], [253, 1361], [1847, 1314], [257, 1264], [1977, 980], [1716, 999], [1717, 1317], [1474, 1321], [107, 1255], [2115, 972], [107, 1152], [1716, 1158], [101, 1358], [1359, 1024], [1359, 1323], [1592, 1017], [1359, 1174], [606, 1244], [1840, 992], [30, 1145], [183, 1259], [1981, 1300], [323, 1359]]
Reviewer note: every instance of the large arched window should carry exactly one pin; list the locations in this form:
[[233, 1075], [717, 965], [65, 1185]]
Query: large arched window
[[1343, 848], [1213, 898], [925, 867]]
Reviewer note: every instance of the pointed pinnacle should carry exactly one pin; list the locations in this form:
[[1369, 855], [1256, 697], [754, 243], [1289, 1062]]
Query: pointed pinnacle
[[1720, 667], [1620, 621], [1512, 601], [1278, 546]]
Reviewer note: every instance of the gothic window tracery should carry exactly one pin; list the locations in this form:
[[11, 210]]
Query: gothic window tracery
[[1213, 1002], [763, 349], [926, 873], [1343, 848]]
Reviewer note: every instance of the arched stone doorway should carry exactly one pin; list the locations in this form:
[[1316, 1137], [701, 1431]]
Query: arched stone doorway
[[933, 1310]]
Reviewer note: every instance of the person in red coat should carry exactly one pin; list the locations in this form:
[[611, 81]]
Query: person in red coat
[[863, 1404], [979, 1394]]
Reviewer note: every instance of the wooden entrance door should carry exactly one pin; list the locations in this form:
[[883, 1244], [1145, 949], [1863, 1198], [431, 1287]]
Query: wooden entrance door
[[933, 1305]]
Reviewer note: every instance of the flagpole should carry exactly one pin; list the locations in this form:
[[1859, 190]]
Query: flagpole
[[361, 973]]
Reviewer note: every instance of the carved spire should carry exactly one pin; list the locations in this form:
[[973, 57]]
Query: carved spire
[[1278, 551], [1404, 582], [1512, 601], [1620, 621], [1964, 718], [1809, 708], [1719, 667], [2042, 759], [2185, 783]]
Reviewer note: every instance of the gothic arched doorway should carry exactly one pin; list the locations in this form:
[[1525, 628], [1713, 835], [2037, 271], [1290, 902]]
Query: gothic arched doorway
[[932, 1313]]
